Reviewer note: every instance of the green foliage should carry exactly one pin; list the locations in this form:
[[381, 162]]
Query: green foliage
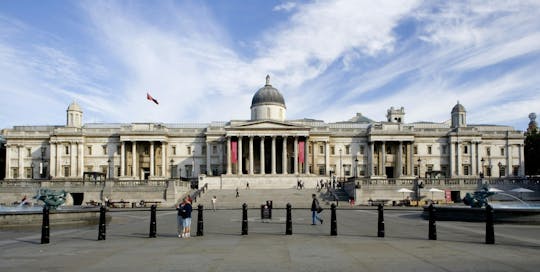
[[532, 154]]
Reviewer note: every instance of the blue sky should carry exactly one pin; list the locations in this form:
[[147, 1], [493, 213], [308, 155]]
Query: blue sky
[[204, 60]]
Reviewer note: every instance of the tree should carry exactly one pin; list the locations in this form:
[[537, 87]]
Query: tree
[[532, 154]]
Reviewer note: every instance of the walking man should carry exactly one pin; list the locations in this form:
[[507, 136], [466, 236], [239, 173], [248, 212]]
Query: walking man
[[315, 209], [214, 199]]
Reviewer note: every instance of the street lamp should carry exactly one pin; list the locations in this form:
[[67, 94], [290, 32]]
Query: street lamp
[[32, 165], [482, 172], [172, 162], [356, 167], [419, 167], [109, 165], [500, 165]]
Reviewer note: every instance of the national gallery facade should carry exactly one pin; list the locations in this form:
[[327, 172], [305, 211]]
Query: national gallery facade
[[266, 146]]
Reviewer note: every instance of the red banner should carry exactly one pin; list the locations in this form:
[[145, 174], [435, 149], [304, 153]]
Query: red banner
[[301, 151], [234, 152], [448, 195]]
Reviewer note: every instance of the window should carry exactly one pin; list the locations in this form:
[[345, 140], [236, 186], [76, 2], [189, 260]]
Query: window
[[174, 150], [488, 151], [375, 170], [66, 171], [203, 168], [361, 149], [465, 149], [515, 170], [466, 170], [415, 149], [444, 147], [347, 149], [15, 172], [321, 149], [429, 168], [89, 168], [89, 150], [214, 149], [104, 147], [388, 149], [189, 150], [104, 170], [416, 171], [488, 171], [333, 150], [118, 149], [118, 173], [502, 151], [67, 149], [429, 149], [444, 170], [203, 150], [347, 169], [146, 150], [28, 172], [29, 152], [322, 170]]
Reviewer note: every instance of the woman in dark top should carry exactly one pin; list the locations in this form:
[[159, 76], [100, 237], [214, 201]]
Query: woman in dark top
[[185, 212], [315, 209]]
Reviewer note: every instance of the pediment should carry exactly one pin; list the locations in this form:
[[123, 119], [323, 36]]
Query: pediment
[[255, 125]]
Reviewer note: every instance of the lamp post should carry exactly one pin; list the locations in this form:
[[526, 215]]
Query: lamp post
[[419, 167], [110, 168], [356, 168], [418, 183], [32, 165], [172, 162], [500, 165], [482, 172]]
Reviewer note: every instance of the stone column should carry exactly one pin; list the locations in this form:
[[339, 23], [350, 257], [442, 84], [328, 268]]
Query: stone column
[[458, 160], [134, 159], [72, 161], [400, 160], [383, 159], [8, 162], [327, 157], [508, 160], [58, 161], [21, 162], [521, 171], [208, 159], [478, 162], [229, 168], [370, 158], [473, 154], [123, 159], [152, 160], [52, 157], [273, 155], [296, 155], [451, 150], [261, 157], [251, 157], [163, 159], [240, 162], [80, 154], [306, 156], [284, 156]]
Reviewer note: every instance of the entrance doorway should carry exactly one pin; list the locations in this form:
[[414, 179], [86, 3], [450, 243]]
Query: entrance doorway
[[389, 172], [146, 172], [455, 196], [77, 198]]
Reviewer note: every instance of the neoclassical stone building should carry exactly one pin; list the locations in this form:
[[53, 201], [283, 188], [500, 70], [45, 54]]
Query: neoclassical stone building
[[267, 147]]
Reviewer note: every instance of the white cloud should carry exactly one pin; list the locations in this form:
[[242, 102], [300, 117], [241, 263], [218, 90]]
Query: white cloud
[[287, 6]]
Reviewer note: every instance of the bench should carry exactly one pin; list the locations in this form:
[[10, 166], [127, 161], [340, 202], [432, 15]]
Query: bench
[[145, 203], [376, 202], [119, 204]]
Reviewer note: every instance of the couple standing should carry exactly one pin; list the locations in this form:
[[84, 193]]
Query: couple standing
[[184, 218]]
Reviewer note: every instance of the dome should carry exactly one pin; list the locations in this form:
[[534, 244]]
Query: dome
[[268, 95], [74, 107], [458, 108]]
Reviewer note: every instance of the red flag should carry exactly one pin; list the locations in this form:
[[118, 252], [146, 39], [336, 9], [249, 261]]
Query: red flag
[[234, 151], [149, 97], [301, 151]]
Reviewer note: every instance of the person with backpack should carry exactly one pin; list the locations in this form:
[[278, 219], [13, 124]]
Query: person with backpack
[[315, 210], [184, 211]]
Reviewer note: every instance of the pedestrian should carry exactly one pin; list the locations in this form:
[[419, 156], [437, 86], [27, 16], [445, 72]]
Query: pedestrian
[[315, 210], [186, 217], [237, 193], [247, 185], [180, 219], [214, 199]]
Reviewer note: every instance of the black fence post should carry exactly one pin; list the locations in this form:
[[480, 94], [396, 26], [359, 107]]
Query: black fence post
[[490, 231], [152, 222], [200, 221], [288, 227], [380, 225], [244, 219], [45, 226], [333, 220], [432, 227], [102, 224]]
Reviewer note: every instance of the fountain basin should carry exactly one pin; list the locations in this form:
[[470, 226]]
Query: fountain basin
[[33, 217], [502, 214]]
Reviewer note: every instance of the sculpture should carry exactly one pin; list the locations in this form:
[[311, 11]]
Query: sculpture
[[51, 198], [478, 199]]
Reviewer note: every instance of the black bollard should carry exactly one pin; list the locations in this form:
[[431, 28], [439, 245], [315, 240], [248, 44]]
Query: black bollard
[[244, 219], [288, 225], [102, 224], [45, 226], [380, 225], [432, 227], [200, 222], [490, 231], [152, 222], [333, 220]]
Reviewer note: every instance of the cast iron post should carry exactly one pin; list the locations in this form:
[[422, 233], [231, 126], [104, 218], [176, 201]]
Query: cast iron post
[[380, 225], [102, 224], [153, 221], [244, 219], [333, 221], [200, 221], [288, 228], [45, 226], [432, 227], [490, 231]]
